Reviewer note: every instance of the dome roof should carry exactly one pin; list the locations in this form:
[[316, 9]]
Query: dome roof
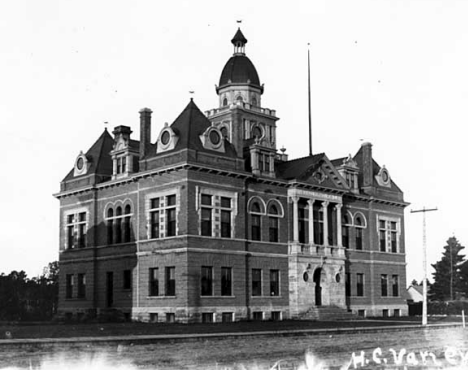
[[239, 69]]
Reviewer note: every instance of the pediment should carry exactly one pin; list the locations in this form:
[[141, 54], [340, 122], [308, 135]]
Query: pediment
[[323, 173]]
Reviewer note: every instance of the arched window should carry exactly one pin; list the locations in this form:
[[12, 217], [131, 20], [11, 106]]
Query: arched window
[[345, 231], [255, 217], [273, 223], [225, 102], [110, 226], [127, 225], [240, 98], [359, 225], [118, 226], [254, 101]]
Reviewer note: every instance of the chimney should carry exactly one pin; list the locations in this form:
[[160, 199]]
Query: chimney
[[368, 168], [122, 131], [145, 131]]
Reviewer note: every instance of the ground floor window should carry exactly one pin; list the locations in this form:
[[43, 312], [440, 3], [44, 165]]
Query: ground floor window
[[207, 317], [153, 317], [257, 316], [361, 313], [227, 317], [276, 315], [385, 312], [396, 312], [170, 317]]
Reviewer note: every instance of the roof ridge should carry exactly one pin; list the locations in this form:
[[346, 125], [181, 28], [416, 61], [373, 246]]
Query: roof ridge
[[307, 156]]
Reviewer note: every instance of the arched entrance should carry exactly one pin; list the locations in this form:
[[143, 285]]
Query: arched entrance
[[318, 288]]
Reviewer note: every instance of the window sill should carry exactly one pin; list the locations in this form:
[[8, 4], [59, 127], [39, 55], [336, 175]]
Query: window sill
[[218, 296], [267, 296], [161, 297]]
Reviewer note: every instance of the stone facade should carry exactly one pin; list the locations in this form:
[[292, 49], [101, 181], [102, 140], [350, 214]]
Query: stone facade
[[211, 223]]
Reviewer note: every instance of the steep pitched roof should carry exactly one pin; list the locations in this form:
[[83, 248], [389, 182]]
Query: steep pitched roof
[[98, 156], [192, 123]]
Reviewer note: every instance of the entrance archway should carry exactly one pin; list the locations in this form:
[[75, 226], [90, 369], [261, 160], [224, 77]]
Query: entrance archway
[[318, 288]]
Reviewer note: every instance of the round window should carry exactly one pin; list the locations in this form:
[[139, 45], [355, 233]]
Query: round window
[[385, 177], [165, 137], [215, 137], [80, 163], [305, 276], [338, 278]]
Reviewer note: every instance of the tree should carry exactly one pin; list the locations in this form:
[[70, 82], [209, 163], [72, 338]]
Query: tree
[[448, 281], [22, 298]]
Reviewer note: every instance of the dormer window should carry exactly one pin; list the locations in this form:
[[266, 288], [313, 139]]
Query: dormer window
[[383, 177], [81, 165], [212, 139], [167, 139]]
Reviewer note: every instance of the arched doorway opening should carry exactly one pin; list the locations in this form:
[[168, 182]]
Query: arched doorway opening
[[318, 288]]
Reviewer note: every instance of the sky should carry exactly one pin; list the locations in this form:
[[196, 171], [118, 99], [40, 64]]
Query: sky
[[391, 72]]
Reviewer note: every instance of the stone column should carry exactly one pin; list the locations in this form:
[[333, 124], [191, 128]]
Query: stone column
[[311, 221], [338, 225], [295, 200], [325, 222]]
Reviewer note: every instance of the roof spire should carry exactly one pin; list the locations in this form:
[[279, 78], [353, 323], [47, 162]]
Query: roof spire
[[239, 42]]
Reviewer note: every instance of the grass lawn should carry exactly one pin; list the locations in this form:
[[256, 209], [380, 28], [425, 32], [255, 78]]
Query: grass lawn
[[52, 330]]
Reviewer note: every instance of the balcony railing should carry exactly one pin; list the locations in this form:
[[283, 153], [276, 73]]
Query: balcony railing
[[316, 250]]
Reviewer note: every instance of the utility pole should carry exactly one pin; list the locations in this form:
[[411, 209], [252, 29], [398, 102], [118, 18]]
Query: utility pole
[[424, 313]]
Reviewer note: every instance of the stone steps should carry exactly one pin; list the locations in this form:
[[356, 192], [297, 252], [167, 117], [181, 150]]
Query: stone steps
[[328, 313]]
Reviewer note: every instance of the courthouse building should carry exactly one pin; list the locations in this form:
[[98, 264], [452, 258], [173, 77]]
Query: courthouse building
[[211, 222]]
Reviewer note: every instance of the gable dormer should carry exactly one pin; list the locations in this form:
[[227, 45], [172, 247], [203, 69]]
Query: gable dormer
[[125, 154]]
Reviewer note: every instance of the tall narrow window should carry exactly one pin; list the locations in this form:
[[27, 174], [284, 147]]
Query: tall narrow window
[[393, 236], [127, 225], [225, 217], [118, 226], [154, 282], [303, 223], [273, 223], [274, 283], [69, 286], [110, 226], [82, 229], [81, 293], [154, 218], [206, 214], [71, 231], [360, 285], [359, 223], [384, 285], [256, 282], [170, 281], [206, 281], [256, 222], [171, 215], [318, 224], [395, 287], [226, 281], [345, 231], [382, 236]]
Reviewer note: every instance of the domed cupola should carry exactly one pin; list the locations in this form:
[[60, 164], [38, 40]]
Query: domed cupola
[[239, 81]]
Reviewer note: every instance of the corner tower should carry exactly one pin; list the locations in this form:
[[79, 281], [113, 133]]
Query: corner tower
[[240, 115]]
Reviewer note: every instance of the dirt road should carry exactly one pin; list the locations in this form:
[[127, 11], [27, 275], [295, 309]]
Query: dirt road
[[415, 349]]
